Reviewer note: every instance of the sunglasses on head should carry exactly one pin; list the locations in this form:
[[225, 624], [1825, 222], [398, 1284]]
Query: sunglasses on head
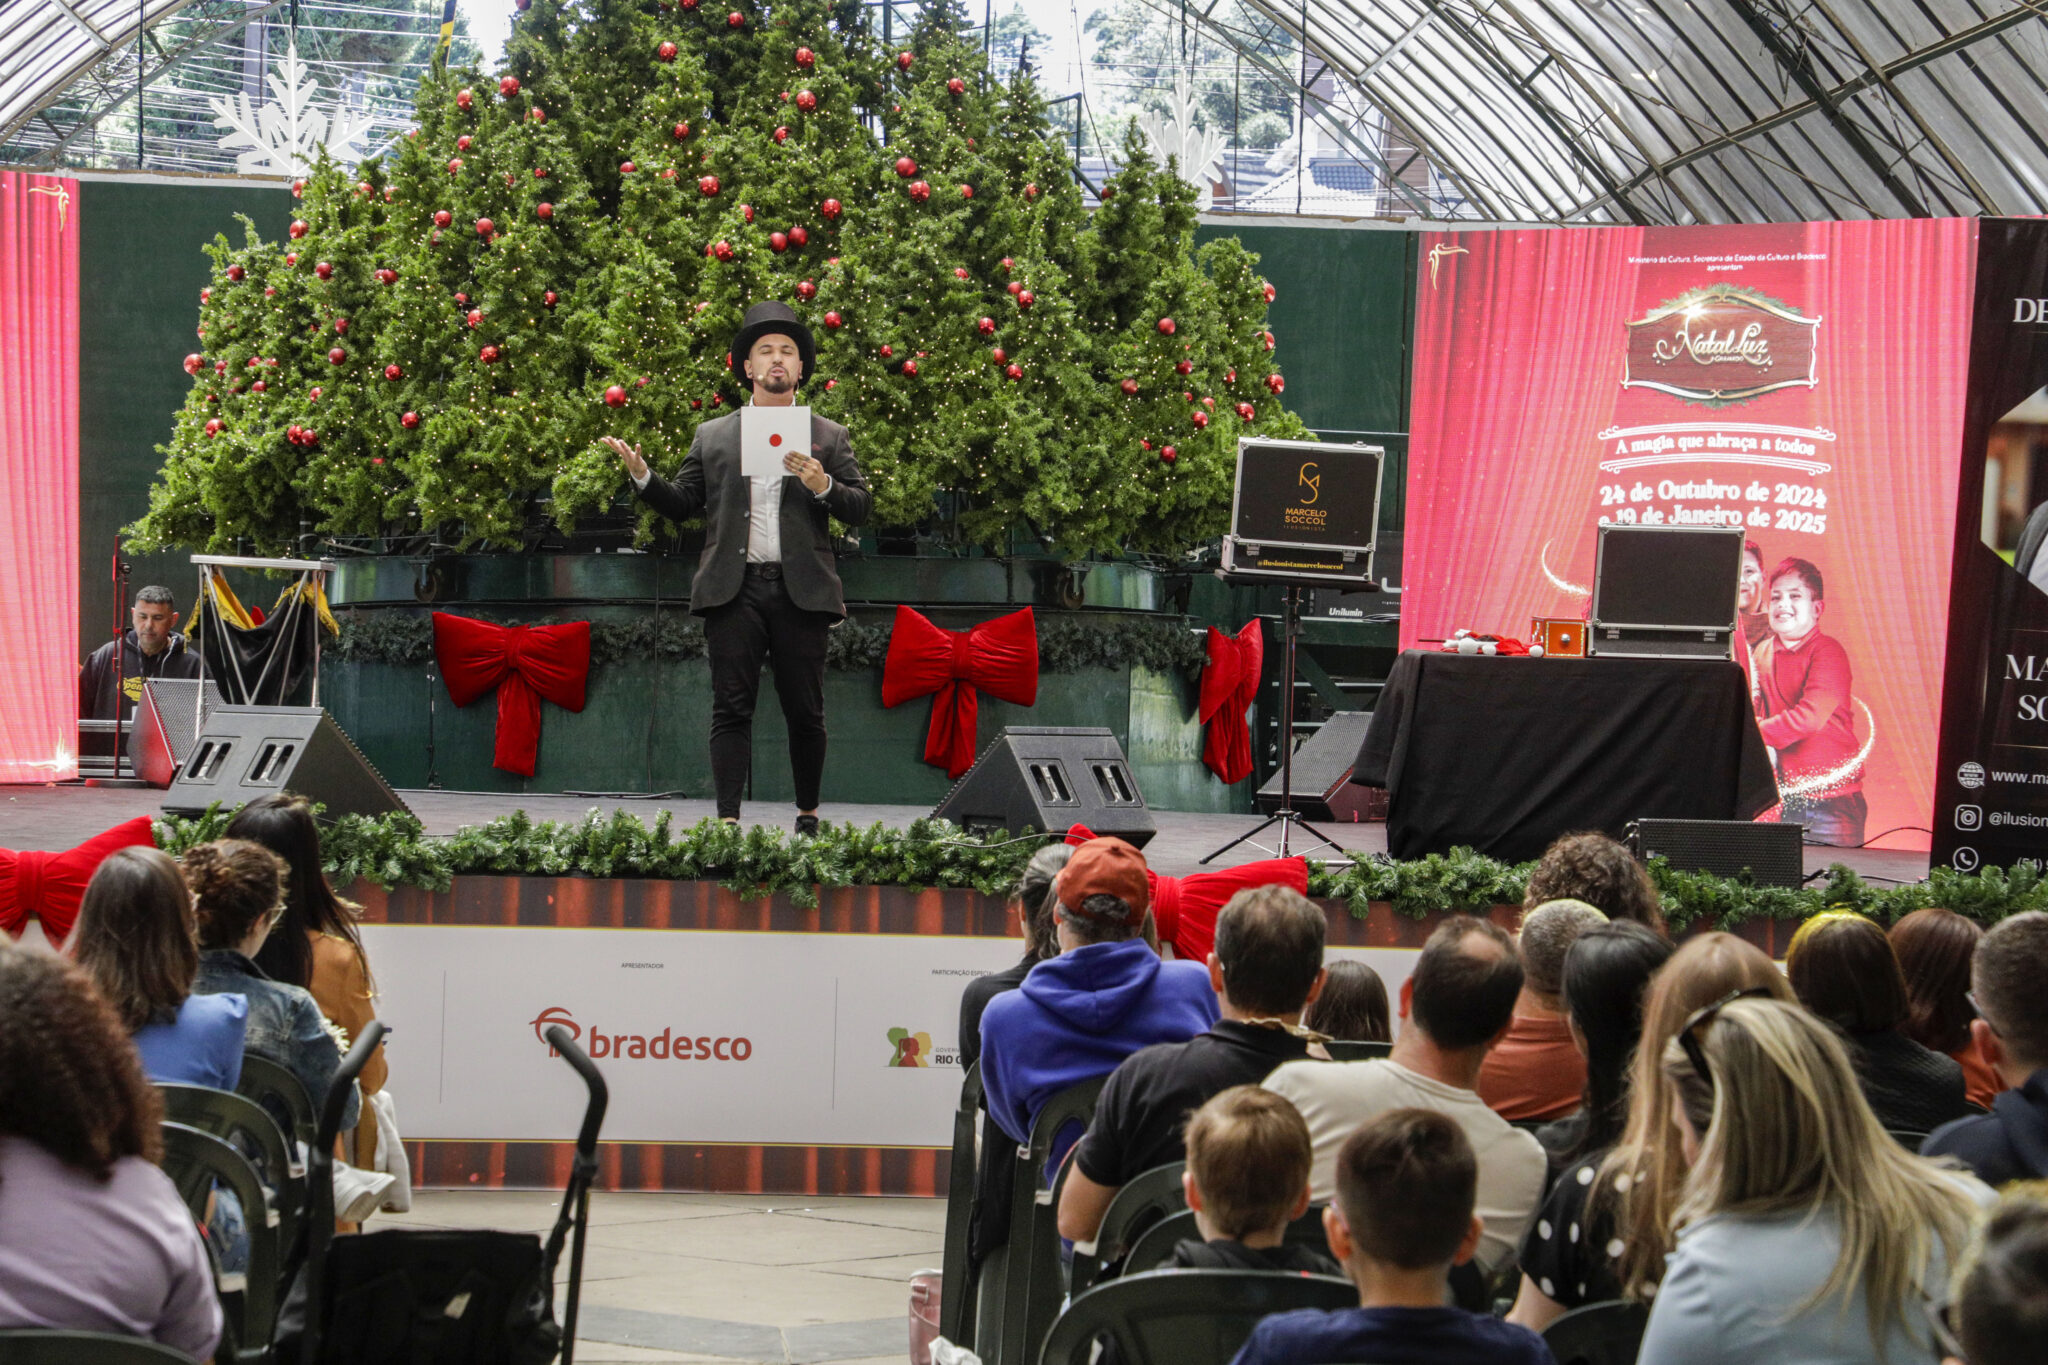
[[1688, 1035]]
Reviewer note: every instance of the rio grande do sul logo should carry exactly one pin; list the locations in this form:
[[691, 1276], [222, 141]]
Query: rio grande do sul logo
[[669, 1045], [1719, 345]]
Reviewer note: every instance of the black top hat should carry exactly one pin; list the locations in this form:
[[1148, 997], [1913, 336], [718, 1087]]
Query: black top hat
[[763, 319]]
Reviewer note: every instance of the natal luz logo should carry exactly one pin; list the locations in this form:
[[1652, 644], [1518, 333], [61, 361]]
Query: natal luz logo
[[911, 1049], [1721, 344]]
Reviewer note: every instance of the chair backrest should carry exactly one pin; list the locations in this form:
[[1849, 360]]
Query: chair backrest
[[956, 1292], [1341, 1051], [1035, 1278], [1598, 1334], [1907, 1138], [251, 1130], [196, 1162], [272, 1085], [1184, 1317], [1150, 1196], [84, 1348], [1153, 1247]]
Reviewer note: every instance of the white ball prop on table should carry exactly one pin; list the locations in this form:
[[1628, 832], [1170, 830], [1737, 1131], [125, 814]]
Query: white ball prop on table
[[1488, 647], [1467, 645], [1535, 651]]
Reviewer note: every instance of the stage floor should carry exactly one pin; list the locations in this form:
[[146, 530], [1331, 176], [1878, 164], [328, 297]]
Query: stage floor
[[59, 816]]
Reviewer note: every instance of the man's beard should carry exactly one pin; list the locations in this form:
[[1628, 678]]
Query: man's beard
[[777, 384]]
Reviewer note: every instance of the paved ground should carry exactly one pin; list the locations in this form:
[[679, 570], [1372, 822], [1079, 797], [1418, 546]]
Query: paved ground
[[732, 1279], [56, 817]]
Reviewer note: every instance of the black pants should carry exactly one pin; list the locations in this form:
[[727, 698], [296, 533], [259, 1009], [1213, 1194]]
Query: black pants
[[762, 623]]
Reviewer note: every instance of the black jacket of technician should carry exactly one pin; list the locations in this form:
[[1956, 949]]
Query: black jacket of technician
[[710, 481], [96, 680]]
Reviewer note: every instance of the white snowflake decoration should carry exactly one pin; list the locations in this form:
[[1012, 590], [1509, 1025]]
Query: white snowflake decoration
[[287, 136], [1176, 134]]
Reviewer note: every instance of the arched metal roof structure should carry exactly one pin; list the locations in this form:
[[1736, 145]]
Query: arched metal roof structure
[[1680, 111]]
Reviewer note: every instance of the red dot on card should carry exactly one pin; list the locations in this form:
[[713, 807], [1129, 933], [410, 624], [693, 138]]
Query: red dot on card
[[775, 439]]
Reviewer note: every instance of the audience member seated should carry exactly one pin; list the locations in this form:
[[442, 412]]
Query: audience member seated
[[2009, 985], [1246, 1180], [1031, 902], [1998, 1311], [1352, 1006], [1934, 948], [1606, 974], [239, 889], [137, 939], [1842, 968], [1267, 965], [93, 1236], [1406, 1186], [1536, 1072], [316, 946], [1104, 997], [1804, 1233], [1454, 1006], [1605, 1226], [1605, 875]]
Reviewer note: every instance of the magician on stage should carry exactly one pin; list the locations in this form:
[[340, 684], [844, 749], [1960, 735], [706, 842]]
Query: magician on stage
[[765, 585]]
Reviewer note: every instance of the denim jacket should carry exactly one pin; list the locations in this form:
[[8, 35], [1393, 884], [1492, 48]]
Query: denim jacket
[[284, 1025]]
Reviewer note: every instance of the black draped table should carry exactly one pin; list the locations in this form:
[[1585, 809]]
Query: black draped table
[[1504, 754]]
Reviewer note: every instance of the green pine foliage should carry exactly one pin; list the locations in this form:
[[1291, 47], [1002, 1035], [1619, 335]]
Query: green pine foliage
[[568, 254]]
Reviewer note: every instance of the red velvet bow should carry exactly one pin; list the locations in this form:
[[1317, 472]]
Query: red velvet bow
[[999, 656], [1230, 683], [50, 885], [525, 664], [1184, 909]]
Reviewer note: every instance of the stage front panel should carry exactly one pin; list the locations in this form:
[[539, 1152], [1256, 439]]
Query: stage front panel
[[1804, 382]]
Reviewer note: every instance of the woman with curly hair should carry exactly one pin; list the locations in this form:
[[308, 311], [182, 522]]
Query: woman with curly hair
[[238, 888], [93, 1236], [1593, 868], [138, 941]]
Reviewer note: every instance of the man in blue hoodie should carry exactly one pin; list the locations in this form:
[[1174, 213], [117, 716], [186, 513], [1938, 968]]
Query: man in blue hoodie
[[2011, 1029], [1105, 996]]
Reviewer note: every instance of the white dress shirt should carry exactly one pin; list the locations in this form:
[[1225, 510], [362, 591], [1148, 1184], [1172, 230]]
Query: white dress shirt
[[764, 514]]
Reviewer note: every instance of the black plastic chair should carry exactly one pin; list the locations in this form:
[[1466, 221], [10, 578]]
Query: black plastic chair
[[84, 1348], [1188, 1317], [198, 1161], [272, 1085], [956, 1284], [1342, 1051], [1034, 1280], [1907, 1138], [1150, 1196], [1598, 1334], [1153, 1247], [252, 1131]]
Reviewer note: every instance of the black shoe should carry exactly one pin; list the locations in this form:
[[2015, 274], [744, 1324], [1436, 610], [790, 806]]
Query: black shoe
[[807, 826]]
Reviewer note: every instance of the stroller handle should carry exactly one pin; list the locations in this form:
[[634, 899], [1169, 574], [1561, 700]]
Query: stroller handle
[[593, 1114]]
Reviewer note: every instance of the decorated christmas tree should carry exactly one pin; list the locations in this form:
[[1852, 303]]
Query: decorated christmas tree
[[564, 251]]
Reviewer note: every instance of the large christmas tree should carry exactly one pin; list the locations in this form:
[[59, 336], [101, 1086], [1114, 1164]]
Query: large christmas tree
[[565, 251]]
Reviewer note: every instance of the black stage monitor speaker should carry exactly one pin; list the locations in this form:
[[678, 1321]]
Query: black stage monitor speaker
[[1047, 778], [243, 752], [1666, 592], [1322, 773], [1772, 854], [164, 725]]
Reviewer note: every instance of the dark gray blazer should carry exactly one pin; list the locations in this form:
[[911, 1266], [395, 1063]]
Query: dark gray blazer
[[710, 481]]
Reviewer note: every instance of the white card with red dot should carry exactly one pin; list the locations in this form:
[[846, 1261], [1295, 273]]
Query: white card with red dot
[[768, 434]]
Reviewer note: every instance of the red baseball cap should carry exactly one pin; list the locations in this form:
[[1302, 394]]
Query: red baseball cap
[[1105, 867]]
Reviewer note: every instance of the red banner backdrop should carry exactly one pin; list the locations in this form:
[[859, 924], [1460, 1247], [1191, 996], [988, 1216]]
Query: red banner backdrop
[[38, 477], [1803, 381]]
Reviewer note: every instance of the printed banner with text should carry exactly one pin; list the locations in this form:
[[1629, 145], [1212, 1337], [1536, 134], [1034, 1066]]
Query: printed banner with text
[[1802, 381]]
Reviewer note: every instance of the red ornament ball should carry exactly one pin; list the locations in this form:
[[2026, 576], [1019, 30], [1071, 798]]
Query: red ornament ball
[[1275, 383], [1145, 443], [544, 211], [1026, 299], [409, 421], [235, 272], [324, 269], [336, 356], [537, 114], [548, 299], [903, 61], [967, 191], [1167, 328], [194, 363], [297, 229], [806, 101], [220, 367], [781, 135], [1169, 455], [778, 242], [258, 387], [291, 258], [1014, 370], [474, 317], [464, 98], [959, 272], [1031, 191], [920, 191], [799, 235], [462, 143], [830, 208], [313, 394], [1184, 367], [393, 373], [833, 320], [615, 396], [213, 426], [442, 218], [1246, 411], [887, 351], [910, 369], [1006, 264], [905, 167], [462, 299], [1015, 287], [707, 185], [509, 86], [956, 86], [1130, 388], [627, 168], [489, 355], [722, 249], [1230, 376], [298, 189], [680, 131], [667, 52], [735, 19], [987, 327], [485, 227], [1270, 292], [999, 355], [804, 57], [455, 165], [1201, 419], [696, 403], [1268, 337], [805, 289], [206, 296], [747, 212]]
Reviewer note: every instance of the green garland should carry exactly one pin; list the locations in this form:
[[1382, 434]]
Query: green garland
[[394, 850], [1165, 644]]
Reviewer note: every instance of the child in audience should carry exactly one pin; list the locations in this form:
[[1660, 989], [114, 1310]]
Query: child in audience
[[1352, 1007], [1998, 1312], [1406, 1184], [137, 939], [93, 1236], [1246, 1180], [1804, 1232]]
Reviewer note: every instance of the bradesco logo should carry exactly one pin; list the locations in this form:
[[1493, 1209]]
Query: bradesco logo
[[665, 1046]]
